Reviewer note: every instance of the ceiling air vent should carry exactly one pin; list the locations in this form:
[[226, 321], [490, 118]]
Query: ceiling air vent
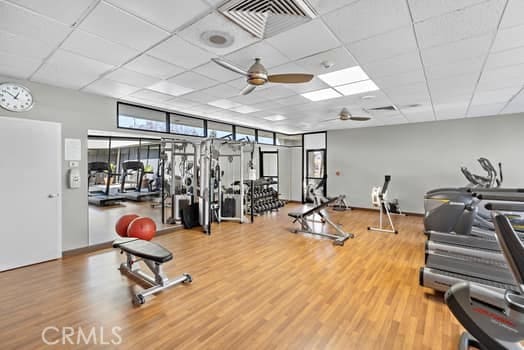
[[266, 18], [385, 108]]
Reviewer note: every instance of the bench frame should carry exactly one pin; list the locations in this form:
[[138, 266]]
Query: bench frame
[[304, 220], [158, 281]]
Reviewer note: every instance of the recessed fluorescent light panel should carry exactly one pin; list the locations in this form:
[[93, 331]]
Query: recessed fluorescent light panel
[[244, 109], [344, 76], [275, 118], [225, 104], [357, 88], [319, 95], [170, 88]]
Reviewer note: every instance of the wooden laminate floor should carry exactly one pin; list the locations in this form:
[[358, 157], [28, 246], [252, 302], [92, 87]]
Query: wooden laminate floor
[[254, 287]]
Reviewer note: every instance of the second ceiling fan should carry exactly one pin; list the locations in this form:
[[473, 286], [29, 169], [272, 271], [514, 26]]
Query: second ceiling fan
[[345, 115], [257, 75]]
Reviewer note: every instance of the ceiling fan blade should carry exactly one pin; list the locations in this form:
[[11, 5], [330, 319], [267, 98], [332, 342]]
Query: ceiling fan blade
[[290, 78], [248, 89], [359, 118], [229, 66], [328, 120]]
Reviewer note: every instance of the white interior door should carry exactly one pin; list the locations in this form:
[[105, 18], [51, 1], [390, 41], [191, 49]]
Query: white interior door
[[30, 184]]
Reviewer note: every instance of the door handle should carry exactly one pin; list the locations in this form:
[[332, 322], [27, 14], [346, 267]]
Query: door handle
[[53, 195]]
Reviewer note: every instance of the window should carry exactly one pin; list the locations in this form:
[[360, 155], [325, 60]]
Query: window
[[289, 140], [133, 117], [245, 133], [183, 125], [218, 130], [265, 137]]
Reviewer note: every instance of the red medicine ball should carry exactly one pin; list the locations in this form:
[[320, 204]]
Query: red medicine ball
[[142, 228], [123, 223]]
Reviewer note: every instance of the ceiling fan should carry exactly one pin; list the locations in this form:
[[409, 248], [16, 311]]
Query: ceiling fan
[[345, 115], [257, 75]]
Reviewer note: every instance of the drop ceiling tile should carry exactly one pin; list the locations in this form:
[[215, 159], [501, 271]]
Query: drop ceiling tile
[[95, 47], [322, 6], [450, 98], [275, 91], [363, 19], [18, 66], [212, 23], [24, 46], [485, 109], [292, 42], [392, 43], [170, 88], [405, 78], [27, 24], [178, 103], [459, 85], [193, 80], [111, 88], [253, 98], [476, 47], [292, 100], [338, 57], [425, 116], [216, 72], [407, 62], [509, 38], [151, 96], [121, 27], [154, 67], [446, 112], [422, 9], [500, 78], [245, 57], [130, 77], [70, 70], [495, 96], [199, 97], [505, 58], [167, 14], [221, 91], [65, 11], [470, 22], [513, 14], [469, 66], [516, 105], [181, 53]]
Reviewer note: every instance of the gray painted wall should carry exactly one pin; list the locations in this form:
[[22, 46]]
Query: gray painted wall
[[78, 112], [421, 157]]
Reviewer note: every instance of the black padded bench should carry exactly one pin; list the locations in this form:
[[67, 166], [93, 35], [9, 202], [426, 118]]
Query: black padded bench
[[306, 217], [153, 255]]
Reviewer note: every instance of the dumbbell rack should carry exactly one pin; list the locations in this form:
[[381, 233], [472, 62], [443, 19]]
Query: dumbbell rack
[[265, 199]]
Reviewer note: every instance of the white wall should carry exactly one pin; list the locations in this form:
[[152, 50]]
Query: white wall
[[421, 157]]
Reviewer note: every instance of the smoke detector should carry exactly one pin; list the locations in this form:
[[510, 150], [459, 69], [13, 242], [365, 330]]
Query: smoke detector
[[266, 18], [217, 39]]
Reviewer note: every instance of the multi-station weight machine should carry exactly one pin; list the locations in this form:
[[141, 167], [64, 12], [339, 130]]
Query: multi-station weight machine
[[208, 178]]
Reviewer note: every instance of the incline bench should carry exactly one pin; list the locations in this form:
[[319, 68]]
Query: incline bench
[[153, 255], [304, 218]]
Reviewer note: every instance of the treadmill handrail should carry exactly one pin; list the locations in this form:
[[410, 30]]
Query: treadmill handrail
[[505, 207], [512, 248], [505, 196]]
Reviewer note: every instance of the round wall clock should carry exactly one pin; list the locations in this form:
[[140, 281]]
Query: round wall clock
[[15, 97]]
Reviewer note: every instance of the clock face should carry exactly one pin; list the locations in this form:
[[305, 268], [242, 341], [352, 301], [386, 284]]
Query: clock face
[[15, 98]]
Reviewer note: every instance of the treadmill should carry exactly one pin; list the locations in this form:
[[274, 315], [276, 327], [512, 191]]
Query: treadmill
[[102, 198], [137, 193], [447, 264]]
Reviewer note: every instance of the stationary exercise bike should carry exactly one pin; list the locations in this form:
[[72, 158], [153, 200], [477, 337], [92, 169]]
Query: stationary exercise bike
[[494, 320], [379, 200]]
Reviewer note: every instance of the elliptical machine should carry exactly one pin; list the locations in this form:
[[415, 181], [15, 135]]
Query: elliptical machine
[[457, 209], [493, 320]]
